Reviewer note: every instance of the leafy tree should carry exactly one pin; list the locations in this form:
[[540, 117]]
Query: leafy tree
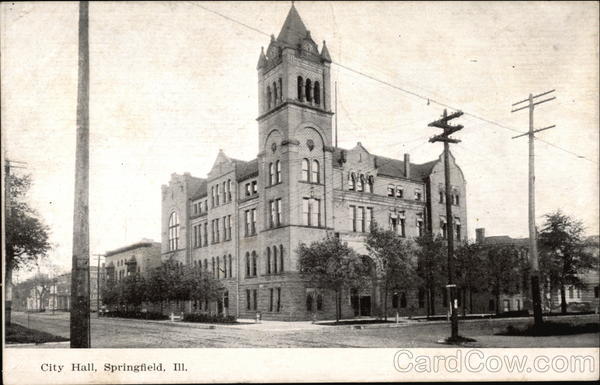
[[432, 266], [26, 235], [133, 289], [502, 270], [394, 258], [469, 271], [563, 253], [332, 265], [202, 286]]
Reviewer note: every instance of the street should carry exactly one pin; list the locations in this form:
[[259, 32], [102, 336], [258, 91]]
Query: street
[[130, 333]]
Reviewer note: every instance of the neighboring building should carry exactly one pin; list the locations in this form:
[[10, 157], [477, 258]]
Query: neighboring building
[[138, 258], [244, 221], [57, 295]]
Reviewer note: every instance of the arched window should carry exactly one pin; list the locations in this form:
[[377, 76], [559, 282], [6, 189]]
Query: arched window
[[278, 170], [371, 181], [268, 97], [271, 174], [173, 231], [360, 182], [229, 190], [351, 181], [317, 95], [315, 171], [300, 89], [268, 260], [275, 259], [305, 170], [319, 302], [280, 90], [280, 257], [275, 98], [308, 90], [309, 302], [247, 264], [254, 263]]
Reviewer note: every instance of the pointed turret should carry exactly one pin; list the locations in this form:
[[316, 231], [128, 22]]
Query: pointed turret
[[262, 59], [325, 53], [293, 30]]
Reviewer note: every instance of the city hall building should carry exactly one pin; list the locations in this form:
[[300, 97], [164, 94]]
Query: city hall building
[[245, 219]]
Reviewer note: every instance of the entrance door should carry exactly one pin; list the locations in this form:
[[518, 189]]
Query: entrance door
[[365, 305]]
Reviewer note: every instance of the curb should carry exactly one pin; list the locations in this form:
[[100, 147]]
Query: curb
[[34, 344]]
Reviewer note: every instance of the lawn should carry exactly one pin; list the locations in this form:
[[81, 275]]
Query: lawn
[[17, 334]]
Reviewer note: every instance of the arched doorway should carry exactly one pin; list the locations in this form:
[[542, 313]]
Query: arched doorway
[[363, 298]]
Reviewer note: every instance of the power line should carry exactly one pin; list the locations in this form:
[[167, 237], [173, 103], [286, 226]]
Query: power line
[[409, 92]]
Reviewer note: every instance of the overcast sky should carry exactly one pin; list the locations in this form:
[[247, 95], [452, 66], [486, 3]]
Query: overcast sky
[[172, 83]]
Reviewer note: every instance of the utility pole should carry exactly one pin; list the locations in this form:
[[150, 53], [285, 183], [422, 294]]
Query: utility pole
[[533, 252], [99, 256], [445, 137], [80, 269]]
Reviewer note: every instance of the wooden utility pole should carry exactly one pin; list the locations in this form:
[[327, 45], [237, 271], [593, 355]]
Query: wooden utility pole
[[533, 252], [445, 137], [80, 269]]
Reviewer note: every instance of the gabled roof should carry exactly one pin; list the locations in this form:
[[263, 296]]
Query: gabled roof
[[245, 170], [201, 191], [395, 167], [293, 30]]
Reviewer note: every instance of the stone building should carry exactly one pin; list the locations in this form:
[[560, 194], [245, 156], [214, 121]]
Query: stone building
[[138, 257], [244, 221]]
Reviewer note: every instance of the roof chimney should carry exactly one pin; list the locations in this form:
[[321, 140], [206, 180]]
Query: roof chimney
[[407, 165], [480, 235]]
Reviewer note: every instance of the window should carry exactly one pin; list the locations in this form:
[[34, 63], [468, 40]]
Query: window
[[278, 299], [275, 98], [371, 182], [206, 234], [281, 258], [317, 94], [360, 182], [570, 292], [217, 195], [390, 190], [229, 190], [271, 299], [402, 300], [218, 267], [402, 219], [300, 86], [254, 298], [273, 213], [457, 199], [271, 174], [418, 195], [197, 239], [309, 302], [360, 219], [443, 227], [596, 291], [421, 299], [308, 90], [248, 190], [212, 265], [457, 221], [305, 170], [212, 196], [394, 222], [225, 266], [319, 302], [268, 260], [173, 231], [247, 228], [441, 194], [253, 223], [280, 90], [247, 264], [420, 224], [268, 97], [368, 218], [278, 170], [217, 236], [254, 264], [315, 172], [224, 192], [275, 259], [229, 227], [353, 216], [399, 192], [224, 228], [206, 265], [254, 187], [351, 181], [395, 300], [248, 299], [311, 212], [278, 211]]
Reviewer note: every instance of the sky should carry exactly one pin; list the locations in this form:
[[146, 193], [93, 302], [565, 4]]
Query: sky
[[172, 83]]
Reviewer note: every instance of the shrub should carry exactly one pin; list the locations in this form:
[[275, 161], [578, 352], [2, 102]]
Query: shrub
[[207, 318], [136, 314], [513, 313]]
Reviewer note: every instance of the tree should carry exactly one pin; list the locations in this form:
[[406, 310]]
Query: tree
[[563, 254], [332, 265], [432, 265], [26, 235], [133, 290], [502, 270], [394, 259], [469, 271]]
